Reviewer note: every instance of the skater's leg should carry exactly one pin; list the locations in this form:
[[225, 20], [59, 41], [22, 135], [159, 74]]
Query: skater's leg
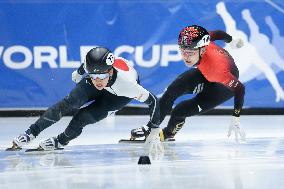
[[81, 94], [178, 115], [213, 95], [93, 113], [189, 82]]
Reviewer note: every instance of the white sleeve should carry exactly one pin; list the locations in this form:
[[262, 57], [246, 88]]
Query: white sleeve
[[137, 92]]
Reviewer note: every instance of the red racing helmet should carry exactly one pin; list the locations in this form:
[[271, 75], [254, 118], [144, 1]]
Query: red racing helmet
[[193, 37]]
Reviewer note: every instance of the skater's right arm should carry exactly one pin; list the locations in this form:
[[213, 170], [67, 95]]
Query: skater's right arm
[[141, 94], [154, 107]]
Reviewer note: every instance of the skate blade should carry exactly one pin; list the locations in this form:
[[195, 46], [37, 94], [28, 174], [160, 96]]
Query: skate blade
[[142, 141], [40, 149], [14, 147], [169, 140], [131, 141]]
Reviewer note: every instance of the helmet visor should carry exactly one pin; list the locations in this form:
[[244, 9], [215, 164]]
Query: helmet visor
[[100, 76]]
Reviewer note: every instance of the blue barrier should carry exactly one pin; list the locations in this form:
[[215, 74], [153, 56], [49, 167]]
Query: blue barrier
[[41, 43]]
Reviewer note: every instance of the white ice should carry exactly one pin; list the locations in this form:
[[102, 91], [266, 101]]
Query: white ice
[[202, 156]]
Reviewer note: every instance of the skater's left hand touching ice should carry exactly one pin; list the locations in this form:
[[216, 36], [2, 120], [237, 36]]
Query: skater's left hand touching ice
[[236, 128], [153, 143]]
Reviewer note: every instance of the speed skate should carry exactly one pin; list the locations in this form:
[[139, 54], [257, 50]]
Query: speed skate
[[138, 141], [40, 149], [133, 140]]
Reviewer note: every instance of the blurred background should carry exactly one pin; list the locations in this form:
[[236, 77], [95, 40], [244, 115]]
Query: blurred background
[[43, 41]]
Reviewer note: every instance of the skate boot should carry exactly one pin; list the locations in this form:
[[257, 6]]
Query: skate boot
[[144, 131], [21, 140], [50, 144], [140, 132], [164, 136]]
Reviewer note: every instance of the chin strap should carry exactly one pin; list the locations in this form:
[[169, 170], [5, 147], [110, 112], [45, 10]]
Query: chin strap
[[199, 58], [199, 52], [112, 78]]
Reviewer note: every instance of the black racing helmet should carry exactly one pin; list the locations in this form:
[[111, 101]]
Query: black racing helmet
[[99, 60], [193, 37]]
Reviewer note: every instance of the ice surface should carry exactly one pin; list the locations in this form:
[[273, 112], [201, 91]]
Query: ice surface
[[202, 157]]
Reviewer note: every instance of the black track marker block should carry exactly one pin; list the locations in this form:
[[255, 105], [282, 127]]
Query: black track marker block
[[144, 160]]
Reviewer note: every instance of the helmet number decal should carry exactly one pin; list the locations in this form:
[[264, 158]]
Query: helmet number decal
[[205, 40], [110, 59]]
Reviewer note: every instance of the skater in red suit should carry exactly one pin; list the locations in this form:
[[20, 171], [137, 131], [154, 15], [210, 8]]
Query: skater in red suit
[[213, 77]]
